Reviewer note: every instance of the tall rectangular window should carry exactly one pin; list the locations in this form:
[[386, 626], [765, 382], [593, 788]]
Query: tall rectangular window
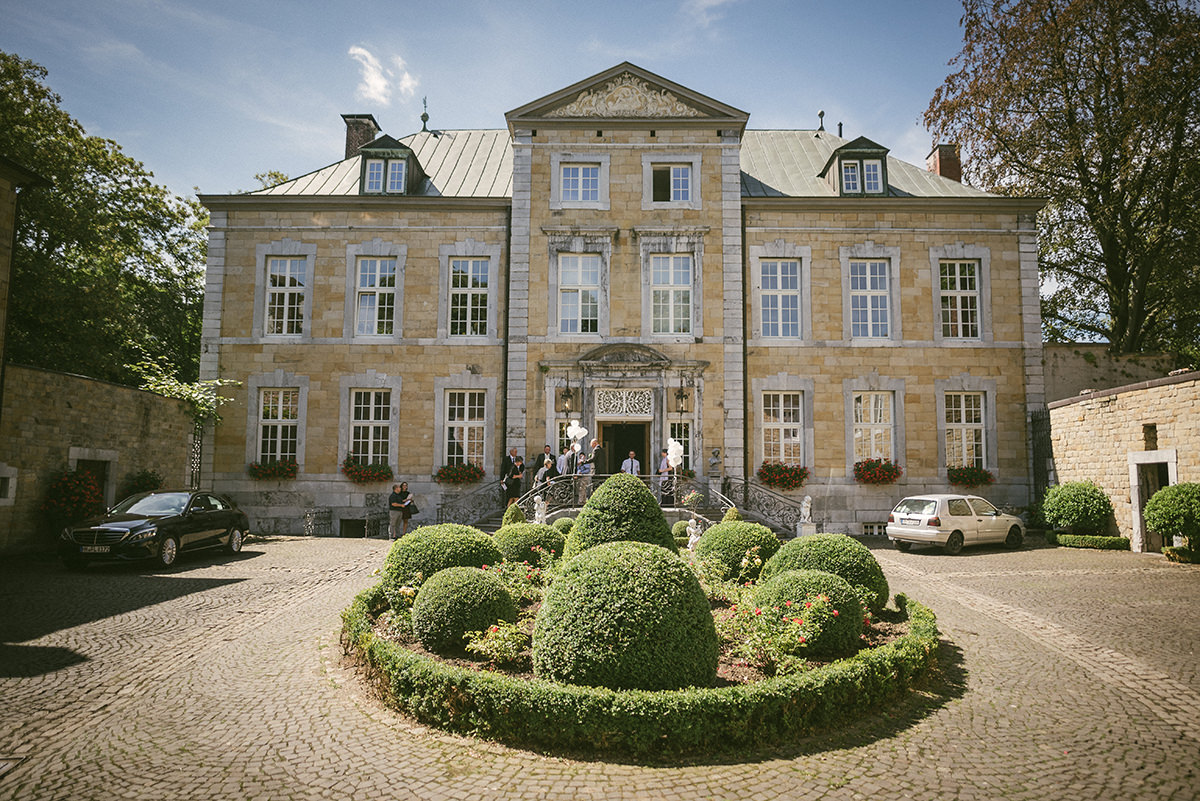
[[780, 298], [960, 299], [370, 430], [964, 429], [873, 425], [278, 424], [285, 295], [672, 183], [783, 427], [468, 297], [376, 306], [671, 293], [869, 299], [681, 432], [580, 183], [578, 293], [466, 417]]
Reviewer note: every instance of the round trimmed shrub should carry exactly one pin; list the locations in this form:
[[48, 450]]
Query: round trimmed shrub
[[415, 557], [731, 514], [621, 509], [626, 615], [457, 600], [837, 554], [564, 525], [513, 514], [841, 635], [517, 540], [1176, 510], [1079, 507], [679, 529], [728, 542]]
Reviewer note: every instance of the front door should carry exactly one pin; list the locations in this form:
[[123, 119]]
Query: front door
[[619, 438], [1151, 478]]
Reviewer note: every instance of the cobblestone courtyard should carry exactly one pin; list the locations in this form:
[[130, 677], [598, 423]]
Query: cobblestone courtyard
[[1065, 674]]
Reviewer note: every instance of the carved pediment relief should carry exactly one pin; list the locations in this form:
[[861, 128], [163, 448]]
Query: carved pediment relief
[[624, 354], [626, 96]]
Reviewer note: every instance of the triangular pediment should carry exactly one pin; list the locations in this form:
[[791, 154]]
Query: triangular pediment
[[626, 92]]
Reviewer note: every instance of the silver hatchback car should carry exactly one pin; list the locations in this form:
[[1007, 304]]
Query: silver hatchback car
[[951, 521]]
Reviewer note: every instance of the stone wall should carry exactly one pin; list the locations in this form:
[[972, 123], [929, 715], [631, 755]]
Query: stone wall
[[51, 421], [1122, 439], [1072, 367]]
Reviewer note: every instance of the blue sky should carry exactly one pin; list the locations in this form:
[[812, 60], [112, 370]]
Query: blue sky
[[209, 92]]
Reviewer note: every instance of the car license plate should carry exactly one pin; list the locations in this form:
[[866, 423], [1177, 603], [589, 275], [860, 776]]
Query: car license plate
[[911, 521], [93, 549]]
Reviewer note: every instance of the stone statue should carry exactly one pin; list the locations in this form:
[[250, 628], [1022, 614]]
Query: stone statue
[[806, 509], [694, 532], [539, 509]]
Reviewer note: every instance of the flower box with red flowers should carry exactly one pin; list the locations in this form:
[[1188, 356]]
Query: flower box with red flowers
[[969, 476], [466, 473], [361, 473], [782, 476], [877, 471], [279, 470]]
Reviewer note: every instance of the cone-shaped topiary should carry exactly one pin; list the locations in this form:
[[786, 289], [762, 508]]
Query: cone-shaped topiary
[[837, 554], [621, 509], [626, 615], [457, 600], [418, 555], [513, 514], [730, 542], [731, 514], [841, 633], [516, 541]]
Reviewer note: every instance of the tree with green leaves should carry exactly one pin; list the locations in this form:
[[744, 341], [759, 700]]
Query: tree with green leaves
[[1095, 105], [107, 264]]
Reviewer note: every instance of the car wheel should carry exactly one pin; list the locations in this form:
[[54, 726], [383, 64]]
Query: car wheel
[[954, 543], [1014, 538], [903, 546], [168, 551], [236, 538]]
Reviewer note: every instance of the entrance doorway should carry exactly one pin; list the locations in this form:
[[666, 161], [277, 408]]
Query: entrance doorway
[[618, 439], [1151, 477]]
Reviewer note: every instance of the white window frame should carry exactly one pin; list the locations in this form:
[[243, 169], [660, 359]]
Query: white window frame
[[380, 292], [958, 282], [874, 423], [870, 299], [278, 428], [678, 294], [276, 379], [870, 166], [469, 251], [384, 176], [560, 160], [370, 426], [965, 384], [287, 290], [656, 243], [873, 384], [374, 171], [780, 295], [783, 384], [781, 250], [265, 255], [964, 429], [681, 432], [444, 404], [851, 178], [579, 183], [887, 298], [378, 249], [658, 161], [466, 414], [397, 172], [573, 268], [960, 252], [776, 431]]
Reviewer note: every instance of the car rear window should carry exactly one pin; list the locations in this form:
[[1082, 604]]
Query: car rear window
[[916, 506]]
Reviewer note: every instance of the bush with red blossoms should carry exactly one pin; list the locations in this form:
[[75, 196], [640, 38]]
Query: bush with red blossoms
[[782, 476]]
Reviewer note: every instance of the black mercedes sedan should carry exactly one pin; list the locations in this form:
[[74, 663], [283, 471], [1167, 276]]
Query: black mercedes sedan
[[156, 525]]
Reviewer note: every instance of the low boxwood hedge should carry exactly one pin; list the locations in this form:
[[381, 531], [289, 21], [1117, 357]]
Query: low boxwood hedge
[[638, 723], [1182, 555], [1088, 541]]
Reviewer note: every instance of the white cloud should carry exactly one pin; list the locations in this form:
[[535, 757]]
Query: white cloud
[[703, 12], [379, 82]]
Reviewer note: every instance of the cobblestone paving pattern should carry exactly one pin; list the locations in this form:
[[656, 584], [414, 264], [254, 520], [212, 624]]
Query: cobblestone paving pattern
[[1065, 675]]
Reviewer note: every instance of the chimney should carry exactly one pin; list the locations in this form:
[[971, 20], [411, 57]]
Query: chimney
[[943, 160], [361, 129]]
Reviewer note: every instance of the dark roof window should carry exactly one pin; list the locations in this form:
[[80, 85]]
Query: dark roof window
[[858, 169], [388, 168]]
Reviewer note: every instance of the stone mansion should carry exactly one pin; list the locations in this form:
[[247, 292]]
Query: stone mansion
[[627, 253]]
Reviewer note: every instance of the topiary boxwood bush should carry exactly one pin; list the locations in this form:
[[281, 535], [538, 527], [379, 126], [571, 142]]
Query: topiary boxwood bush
[[517, 540], [1079, 507], [842, 635], [457, 600], [418, 555], [626, 615], [621, 509], [728, 543], [731, 514], [513, 514], [1091, 541], [679, 530], [564, 524], [635, 723], [837, 554], [1176, 510]]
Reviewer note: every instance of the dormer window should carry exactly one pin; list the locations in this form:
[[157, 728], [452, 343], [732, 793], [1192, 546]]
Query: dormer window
[[850, 177], [384, 176], [863, 177], [858, 168]]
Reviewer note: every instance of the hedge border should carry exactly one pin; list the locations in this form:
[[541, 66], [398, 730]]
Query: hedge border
[[637, 723], [1181, 555], [1089, 541]]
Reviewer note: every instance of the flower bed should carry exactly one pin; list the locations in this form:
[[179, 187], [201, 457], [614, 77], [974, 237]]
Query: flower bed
[[542, 714]]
